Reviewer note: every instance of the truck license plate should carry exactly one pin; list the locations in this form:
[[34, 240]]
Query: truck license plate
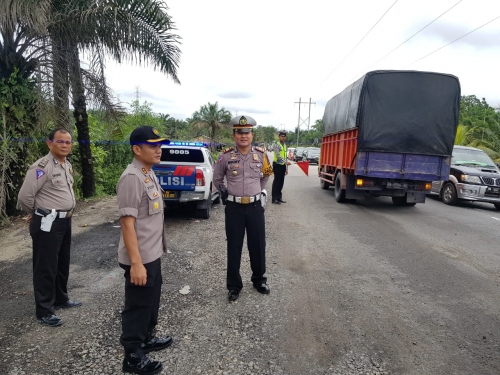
[[397, 185], [169, 195]]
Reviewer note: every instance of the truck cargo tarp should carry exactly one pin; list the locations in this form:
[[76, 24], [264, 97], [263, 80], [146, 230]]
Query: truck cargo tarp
[[398, 111]]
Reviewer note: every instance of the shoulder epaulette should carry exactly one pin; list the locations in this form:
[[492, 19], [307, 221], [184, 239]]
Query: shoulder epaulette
[[259, 149], [225, 151], [43, 162]]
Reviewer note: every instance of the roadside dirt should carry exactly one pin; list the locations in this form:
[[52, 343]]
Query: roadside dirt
[[15, 240]]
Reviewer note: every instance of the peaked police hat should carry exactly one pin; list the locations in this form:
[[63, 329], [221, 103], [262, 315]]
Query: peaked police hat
[[242, 124]]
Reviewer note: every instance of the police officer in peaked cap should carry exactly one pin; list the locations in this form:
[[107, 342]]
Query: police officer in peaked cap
[[246, 169], [280, 168]]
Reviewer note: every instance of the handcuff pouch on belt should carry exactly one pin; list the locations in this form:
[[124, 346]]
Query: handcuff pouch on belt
[[48, 217]]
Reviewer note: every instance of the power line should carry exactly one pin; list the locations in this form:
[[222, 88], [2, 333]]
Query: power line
[[435, 19], [340, 63], [463, 36]]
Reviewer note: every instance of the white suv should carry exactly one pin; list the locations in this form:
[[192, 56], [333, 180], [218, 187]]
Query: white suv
[[186, 173]]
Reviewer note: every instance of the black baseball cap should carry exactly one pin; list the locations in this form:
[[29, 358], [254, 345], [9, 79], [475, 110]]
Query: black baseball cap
[[146, 134]]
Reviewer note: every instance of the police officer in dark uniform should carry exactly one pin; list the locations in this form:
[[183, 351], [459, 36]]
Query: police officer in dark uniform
[[246, 170], [280, 168], [47, 194], [142, 244]]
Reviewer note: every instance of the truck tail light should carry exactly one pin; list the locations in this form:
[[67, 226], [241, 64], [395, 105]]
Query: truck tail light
[[360, 182], [200, 178], [423, 186]]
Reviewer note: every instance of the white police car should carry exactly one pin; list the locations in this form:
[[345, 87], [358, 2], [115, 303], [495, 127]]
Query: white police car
[[186, 174]]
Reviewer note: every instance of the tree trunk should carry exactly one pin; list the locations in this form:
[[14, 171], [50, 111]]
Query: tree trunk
[[61, 84], [81, 123]]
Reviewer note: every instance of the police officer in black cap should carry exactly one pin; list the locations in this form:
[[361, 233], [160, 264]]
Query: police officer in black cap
[[142, 244], [246, 169]]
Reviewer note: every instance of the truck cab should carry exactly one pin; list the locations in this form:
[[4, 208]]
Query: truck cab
[[473, 177], [185, 174]]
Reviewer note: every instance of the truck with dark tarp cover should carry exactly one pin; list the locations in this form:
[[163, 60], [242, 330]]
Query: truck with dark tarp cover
[[390, 133]]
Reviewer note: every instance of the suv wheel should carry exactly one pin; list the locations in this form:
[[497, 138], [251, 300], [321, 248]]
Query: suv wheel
[[449, 193]]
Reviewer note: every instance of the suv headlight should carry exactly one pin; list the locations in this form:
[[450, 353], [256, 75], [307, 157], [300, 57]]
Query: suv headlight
[[470, 179]]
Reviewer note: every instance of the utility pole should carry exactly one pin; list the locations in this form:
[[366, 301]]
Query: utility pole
[[303, 121], [137, 93]]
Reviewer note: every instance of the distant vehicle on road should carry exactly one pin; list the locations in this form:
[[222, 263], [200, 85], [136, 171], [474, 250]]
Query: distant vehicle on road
[[297, 153], [473, 177], [311, 154]]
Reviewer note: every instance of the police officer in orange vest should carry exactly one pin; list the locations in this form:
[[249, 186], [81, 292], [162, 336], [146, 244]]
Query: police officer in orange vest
[[246, 169]]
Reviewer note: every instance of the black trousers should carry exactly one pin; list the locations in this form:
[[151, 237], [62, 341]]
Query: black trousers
[[51, 257], [249, 217], [140, 314], [278, 182]]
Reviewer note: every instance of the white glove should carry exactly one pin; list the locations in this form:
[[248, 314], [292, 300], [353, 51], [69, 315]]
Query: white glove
[[263, 197]]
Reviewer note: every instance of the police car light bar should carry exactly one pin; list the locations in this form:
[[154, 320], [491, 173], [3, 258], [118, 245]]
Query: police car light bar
[[178, 143]]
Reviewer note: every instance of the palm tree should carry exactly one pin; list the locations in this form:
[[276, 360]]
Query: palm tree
[[213, 119], [135, 30]]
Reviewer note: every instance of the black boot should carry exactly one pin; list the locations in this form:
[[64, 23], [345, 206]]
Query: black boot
[[154, 343], [138, 363]]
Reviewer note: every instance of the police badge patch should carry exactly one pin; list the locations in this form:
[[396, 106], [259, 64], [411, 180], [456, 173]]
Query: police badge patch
[[39, 173]]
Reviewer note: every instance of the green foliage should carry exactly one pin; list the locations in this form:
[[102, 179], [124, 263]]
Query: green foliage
[[266, 134], [17, 101], [479, 126], [213, 119]]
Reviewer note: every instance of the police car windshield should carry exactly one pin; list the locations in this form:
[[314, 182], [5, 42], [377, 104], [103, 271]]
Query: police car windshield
[[182, 155]]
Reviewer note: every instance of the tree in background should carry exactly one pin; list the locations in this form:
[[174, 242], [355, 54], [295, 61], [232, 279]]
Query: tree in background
[[135, 30], [267, 134], [213, 119], [479, 126]]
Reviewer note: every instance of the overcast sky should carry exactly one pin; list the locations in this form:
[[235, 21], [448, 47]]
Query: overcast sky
[[260, 57]]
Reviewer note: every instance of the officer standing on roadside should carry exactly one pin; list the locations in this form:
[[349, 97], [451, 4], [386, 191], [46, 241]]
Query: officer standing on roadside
[[246, 170], [142, 244], [280, 168], [47, 195]]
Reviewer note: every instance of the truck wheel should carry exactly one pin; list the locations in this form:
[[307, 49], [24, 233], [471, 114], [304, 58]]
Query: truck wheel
[[204, 213], [497, 206], [324, 185], [449, 194], [339, 192]]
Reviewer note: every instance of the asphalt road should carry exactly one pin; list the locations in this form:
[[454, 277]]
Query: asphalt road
[[356, 288], [417, 285]]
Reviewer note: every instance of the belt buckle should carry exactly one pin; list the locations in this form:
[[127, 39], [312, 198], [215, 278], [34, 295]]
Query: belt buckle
[[245, 200]]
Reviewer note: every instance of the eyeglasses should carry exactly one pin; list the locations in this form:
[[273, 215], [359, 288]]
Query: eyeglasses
[[60, 141]]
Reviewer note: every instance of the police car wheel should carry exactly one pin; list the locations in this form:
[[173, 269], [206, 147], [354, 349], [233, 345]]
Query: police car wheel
[[204, 213]]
